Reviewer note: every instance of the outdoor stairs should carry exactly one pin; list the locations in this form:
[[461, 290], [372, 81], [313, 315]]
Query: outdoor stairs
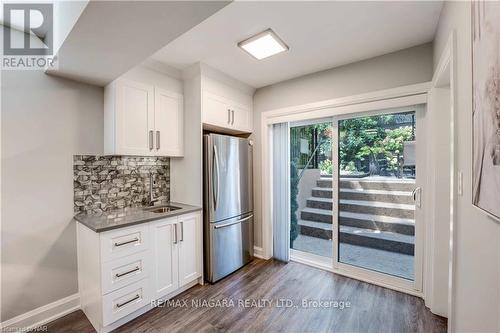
[[375, 213]]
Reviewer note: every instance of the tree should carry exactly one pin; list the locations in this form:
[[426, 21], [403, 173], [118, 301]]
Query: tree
[[368, 142]]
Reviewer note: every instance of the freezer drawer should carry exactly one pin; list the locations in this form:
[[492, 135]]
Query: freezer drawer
[[230, 246]]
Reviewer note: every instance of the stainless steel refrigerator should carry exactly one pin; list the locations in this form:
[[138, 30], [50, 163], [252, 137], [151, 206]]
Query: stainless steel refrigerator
[[228, 204]]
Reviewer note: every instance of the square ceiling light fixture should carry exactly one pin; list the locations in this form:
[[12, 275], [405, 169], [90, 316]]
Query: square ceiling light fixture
[[263, 45]]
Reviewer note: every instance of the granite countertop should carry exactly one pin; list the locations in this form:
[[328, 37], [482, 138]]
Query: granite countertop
[[125, 217]]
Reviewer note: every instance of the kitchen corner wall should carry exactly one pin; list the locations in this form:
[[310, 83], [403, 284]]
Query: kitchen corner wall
[[44, 121], [103, 183]]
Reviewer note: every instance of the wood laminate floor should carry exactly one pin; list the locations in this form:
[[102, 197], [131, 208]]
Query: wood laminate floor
[[372, 308]]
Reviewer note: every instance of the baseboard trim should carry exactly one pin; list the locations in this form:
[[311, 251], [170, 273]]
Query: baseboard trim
[[44, 314], [258, 252]]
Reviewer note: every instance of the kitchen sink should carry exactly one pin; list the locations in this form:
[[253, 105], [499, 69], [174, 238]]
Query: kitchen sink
[[162, 209]]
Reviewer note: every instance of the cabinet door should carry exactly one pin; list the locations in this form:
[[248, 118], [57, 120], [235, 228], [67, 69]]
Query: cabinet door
[[242, 118], [134, 118], [216, 110], [189, 248], [166, 260], [169, 123]]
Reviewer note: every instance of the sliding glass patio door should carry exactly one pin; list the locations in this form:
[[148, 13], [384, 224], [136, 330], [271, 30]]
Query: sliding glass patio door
[[377, 196], [355, 195], [311, 190]]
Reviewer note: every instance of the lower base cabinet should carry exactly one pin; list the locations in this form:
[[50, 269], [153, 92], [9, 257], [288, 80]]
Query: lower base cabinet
[[124, 272]]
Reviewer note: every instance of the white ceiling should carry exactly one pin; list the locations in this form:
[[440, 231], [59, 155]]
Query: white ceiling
[[321, 35], [111, 37]]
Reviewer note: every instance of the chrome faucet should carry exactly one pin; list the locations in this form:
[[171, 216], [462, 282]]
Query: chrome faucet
[[152, 199]]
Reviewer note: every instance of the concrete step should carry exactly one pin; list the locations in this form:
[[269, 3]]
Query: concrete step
[[377, 208], [324, 182], [378, 184], [378, 222], [401, 197], [321, 192], [320, 203], [316, 215], [382, 240], [315, 229]]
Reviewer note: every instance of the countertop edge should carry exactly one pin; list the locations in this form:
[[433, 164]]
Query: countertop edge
[[186, 209]]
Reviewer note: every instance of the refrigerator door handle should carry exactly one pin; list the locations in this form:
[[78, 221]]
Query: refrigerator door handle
[[235, 222], [216, 194]]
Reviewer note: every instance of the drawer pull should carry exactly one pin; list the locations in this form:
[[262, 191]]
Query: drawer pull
[[125, 273], [127, 242], [119, 305]]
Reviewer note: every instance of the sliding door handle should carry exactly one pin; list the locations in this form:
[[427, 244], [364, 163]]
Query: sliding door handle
[[417, 196]]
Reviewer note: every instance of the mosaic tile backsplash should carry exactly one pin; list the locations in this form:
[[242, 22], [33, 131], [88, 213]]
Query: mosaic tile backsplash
[[103, 183]]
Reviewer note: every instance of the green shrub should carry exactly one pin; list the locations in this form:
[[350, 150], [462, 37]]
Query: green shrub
[[326, 167]]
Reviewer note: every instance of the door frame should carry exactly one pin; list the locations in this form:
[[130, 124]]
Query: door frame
[[405, 96]]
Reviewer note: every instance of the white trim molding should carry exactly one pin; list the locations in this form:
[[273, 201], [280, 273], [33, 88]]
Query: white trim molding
[[258, 253], [42, 315], [375, 96]]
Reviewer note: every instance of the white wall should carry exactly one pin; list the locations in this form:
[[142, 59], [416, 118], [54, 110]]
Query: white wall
[[66, 13], [45, 121], [476, 277], [170, 81], [409, 66]]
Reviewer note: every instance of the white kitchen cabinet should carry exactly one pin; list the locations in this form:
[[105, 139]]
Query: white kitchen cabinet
[[130, 119], [189, 248], [169, 123], [166, 277], [243, 118], [140, 119], [177, 248], [222, 112], [124, 272]]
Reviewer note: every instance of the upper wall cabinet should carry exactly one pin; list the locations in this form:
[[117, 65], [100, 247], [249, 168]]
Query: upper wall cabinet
[[141, 119], [223, 113]]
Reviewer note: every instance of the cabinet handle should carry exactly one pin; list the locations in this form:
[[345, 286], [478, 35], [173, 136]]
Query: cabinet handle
[[229, 116], [175, 233], [232, 122], [151, 140], [119, 305], [182, 231], [127, 242], [128, 272], [157, 140]]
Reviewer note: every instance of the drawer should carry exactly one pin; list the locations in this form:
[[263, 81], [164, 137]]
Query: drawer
[[123, 302], [123, 242], [120, 272]]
